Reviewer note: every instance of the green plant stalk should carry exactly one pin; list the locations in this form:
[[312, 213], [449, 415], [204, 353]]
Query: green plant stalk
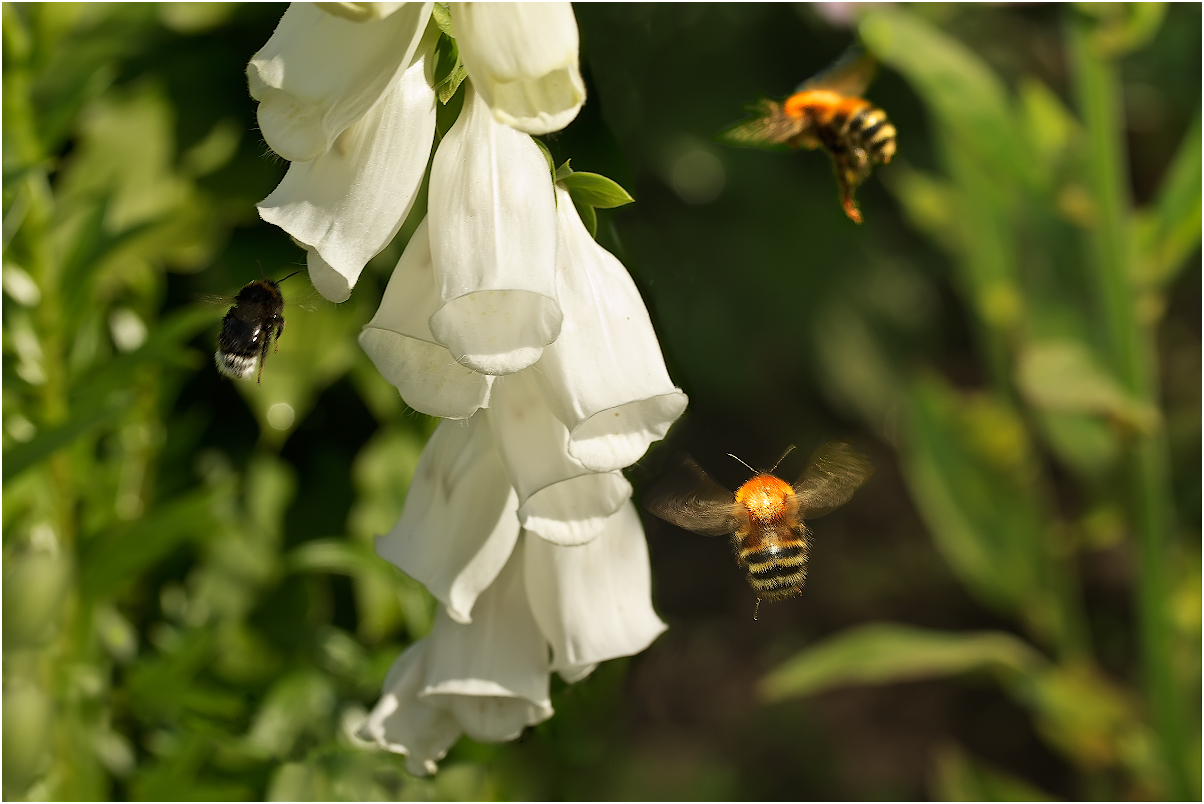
[[1133, 358]]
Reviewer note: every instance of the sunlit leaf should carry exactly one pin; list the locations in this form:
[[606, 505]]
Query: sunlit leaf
[[334, 555], [298, 703], [1168, 232], [1064, 376], [885, 653], [596, 190], [969, 100], [970, 468]]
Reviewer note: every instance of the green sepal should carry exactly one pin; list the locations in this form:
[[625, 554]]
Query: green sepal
[[595, 190], [441, 14], [449, 70], [588, 216], [547, 155], [564, 171]]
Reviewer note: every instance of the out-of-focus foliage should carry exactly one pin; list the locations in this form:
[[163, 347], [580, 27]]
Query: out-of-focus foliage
[[192, 607], [1029, 202]]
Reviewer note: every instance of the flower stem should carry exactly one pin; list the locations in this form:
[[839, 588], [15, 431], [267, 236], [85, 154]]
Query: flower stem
[[1133, 357]]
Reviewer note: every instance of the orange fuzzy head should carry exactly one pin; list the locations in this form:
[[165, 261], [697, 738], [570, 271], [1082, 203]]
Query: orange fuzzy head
[[767, 498]]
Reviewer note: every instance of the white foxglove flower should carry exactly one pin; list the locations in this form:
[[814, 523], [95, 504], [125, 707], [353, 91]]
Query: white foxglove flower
[[360, 11], [491, 675], [493, 239], [320, 73], [522, 58], [345, 205], [604, 377], [559, 499], [459, 525], [593, 602], [404, 723], [400, 343]]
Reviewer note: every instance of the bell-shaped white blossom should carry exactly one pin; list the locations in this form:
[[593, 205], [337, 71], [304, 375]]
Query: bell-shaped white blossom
[[398, 339], [604, 377], [522, 58], [348, 203], [559, 499], [491, 675], [360, 11], [404, 723], [319, 73], [493, 240], [460, 520], [593, 602]]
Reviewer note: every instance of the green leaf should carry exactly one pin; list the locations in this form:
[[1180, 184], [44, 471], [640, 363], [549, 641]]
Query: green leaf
[[968, 99], [886, 653], [22, 456], [1064, 376], [1123, 27], [1168, 232], [564, 171], [448, 88], [596, 190], [547, 155], [588, 216], [162, 349], [449, 70], [961, 777], [338, 556], [972, 472], [441, 14], [118, 557], [297, 704], [1049, 126]]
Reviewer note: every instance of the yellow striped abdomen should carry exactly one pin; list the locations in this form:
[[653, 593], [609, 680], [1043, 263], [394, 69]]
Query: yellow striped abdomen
[[776, 561]]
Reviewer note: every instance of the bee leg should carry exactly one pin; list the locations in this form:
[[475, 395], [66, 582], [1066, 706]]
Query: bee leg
[[279, 332], [263, 355], [757, 608]]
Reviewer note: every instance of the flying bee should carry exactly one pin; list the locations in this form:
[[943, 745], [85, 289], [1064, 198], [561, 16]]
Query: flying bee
[[826, 111], [765, 516], [254, 323]]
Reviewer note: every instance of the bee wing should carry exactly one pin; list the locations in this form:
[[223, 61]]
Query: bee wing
[[848, 76], [834, 472], [690, 499], [213, 299], [769, 127]]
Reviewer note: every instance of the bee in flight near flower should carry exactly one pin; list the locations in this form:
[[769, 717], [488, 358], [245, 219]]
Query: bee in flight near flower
[[827, 111], [254, 322], [765, 516]]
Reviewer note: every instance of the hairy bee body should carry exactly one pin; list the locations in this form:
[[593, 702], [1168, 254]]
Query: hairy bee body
[[249, 328], [771, 541], [765, 515], [827, 111]]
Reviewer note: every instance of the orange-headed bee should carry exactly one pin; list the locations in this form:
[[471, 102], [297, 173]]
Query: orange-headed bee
[[827, 111], [765, 516]]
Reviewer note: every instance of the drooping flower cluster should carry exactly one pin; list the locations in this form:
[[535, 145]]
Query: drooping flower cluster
[[504, 317]]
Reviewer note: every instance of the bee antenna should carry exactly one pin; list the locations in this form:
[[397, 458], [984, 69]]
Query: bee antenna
[[754, 471], [290, 276], [789, 450]]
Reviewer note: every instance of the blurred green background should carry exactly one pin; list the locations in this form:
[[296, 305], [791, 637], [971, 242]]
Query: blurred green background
[[1009, 609]]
